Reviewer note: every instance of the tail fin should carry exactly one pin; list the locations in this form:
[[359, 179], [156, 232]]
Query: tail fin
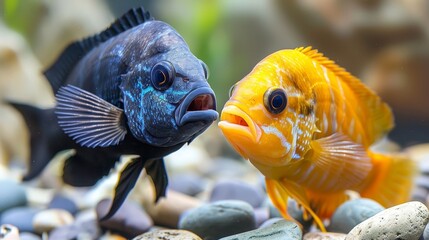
[[37, 121], [391, 181]]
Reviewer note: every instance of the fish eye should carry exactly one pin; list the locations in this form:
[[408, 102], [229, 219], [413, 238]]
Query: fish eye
[[231, 90], [206, 69], [162, 75], [275, 100]]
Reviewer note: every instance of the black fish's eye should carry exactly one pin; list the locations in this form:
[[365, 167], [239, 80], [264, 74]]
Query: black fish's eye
[[275, 100], [206, 69], [231, 90], [162, 75]]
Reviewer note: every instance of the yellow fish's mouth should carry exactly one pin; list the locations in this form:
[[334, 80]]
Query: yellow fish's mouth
[[234, 121]]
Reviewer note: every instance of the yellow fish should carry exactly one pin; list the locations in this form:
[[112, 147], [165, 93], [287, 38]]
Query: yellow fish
[[307, 125]]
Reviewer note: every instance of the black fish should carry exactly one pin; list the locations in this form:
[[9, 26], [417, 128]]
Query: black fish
[[134, 88]]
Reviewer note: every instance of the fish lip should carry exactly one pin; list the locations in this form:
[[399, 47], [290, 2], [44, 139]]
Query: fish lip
[[209, 115], [251, 131]]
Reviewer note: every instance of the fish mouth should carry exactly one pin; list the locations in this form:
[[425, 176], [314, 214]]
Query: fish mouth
[[198, 106], [236, 121]]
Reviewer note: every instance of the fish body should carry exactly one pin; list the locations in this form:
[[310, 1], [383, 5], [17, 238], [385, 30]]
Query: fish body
[[133, 89], [308, 126]]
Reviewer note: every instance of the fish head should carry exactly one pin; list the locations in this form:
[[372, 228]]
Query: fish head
[[268, 119], [167, 98]]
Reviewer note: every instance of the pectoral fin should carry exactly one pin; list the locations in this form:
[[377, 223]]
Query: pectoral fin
[[127, 181], [337, 163], [156, 170], [88, 119]]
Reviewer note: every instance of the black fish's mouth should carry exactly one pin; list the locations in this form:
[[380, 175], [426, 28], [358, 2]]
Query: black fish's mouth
[[198, 105]]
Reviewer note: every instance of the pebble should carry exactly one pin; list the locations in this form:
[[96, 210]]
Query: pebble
[[237, 190], [46, 220], [351, 213], [261, 215], [219, 219], [324, 236], [170, 234], [279, 230], [62, 202], [20, 217], [29, 236], [294, 211], [187, 183], [166, 211], [9, 232], [425, 235], [270, 222], [12, 195], [83, 230], [130, 220], [405, 221]]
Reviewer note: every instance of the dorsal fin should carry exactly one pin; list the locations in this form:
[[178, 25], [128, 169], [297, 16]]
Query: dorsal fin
[[59, 71], [375, 109]]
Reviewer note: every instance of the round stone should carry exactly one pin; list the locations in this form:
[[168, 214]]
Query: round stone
[[405, 221], [11, 195], [170, 234], [62, 202], [130, 220], [237, 190], [324, 236], [351, 213], [279, 230], [219, 219], [187, 183], [9, 232], [20, 217], [29, 236], [84, 230], [46, 220], [425, 235]]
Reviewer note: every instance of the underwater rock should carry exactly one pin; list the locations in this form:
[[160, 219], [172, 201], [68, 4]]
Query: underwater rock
[[62, 202], [261, 215], [83, 230], [187, 183], [167, 210], [425, 235], [9, 232], [404, 221], [270, 222], [12, 195], [223, 218], [279, 230], [237, 190], [47, 220], [353, 212], [20, 217], [324, 236], [29, 236], [169, 234], [130, 220]]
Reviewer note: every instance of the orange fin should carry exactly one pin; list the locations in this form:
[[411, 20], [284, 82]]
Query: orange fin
[[287, 188], [391, 180], [278, 198], [339, 163], [325, 204], [377, 112]]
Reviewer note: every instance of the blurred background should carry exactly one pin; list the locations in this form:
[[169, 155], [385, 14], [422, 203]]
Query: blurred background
[[385, 43]]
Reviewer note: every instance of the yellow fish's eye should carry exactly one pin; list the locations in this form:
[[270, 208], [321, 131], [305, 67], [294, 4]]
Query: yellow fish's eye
[[231, 90], [275, 100]]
